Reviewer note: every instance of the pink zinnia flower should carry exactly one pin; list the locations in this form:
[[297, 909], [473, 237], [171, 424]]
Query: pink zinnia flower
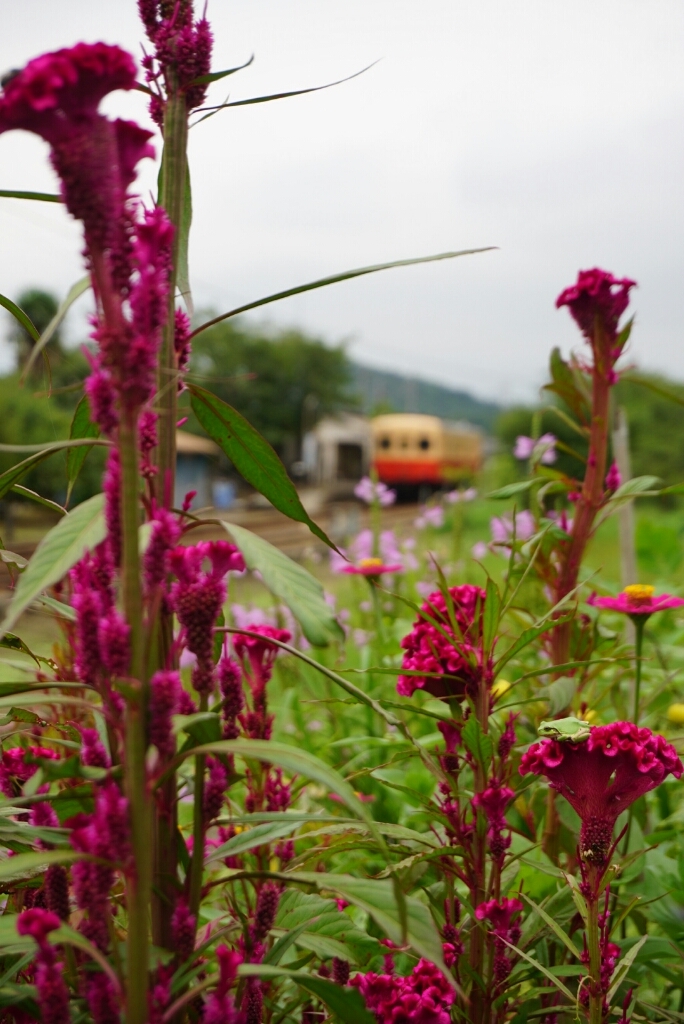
[[602, 776], [637, 600], [448, 663], [371, 567]]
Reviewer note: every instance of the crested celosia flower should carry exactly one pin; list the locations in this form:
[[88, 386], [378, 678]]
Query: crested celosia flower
[[542, 448], [197, 599], [637, 600], [53, 996], [602, 776], [219, 1007], [56, 96], [443, 662], [597, 295], [369, 491], [422, 997]]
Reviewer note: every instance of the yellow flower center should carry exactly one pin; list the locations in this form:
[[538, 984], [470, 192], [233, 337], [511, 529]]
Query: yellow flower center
[[370, 563], [639, 593]]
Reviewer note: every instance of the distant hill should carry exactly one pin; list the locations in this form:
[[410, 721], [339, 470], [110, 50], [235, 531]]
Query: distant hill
[[379, 390]]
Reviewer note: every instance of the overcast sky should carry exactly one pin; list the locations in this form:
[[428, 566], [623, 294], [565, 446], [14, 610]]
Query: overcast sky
[[549, 128]]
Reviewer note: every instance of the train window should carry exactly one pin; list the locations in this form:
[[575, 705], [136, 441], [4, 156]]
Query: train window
[[424, 443], [384, 442]]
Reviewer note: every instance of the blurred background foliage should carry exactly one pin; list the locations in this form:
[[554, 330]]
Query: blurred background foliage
[[283, 381]]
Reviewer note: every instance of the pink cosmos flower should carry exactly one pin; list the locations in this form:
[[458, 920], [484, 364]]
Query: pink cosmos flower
[[526, 447], [432, 515], [368, 491], [637, 600], [448, 663], [454, 497], [602, 776], [479, 550], [503, 527], [597, 294]]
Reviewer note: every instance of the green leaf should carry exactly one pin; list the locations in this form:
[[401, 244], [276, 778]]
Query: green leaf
[[26, 492], [11, 477], [75, 292], [81, 426], [297, 588], [14, 643], [294, 760], [554, 926], [346, 275], [346, 1003], [492, 612], [25, 865], [569, 385], [544, 970], [268, 832], [477, 742], [559, 693], [510, 490], [622, 969], [58, 551], [215, 76], [19, 314], [377, 898], [525, 638], [318, 920], [43, 197], [251, 455]]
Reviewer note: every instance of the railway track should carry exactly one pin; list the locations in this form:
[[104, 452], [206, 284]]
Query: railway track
[[340, 520]]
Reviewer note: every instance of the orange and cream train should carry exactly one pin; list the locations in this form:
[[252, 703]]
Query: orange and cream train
[[411, 450]]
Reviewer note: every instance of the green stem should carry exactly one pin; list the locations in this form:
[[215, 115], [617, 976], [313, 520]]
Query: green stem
[[594, 948], [139, 880], [171, 197], [197, 862], [639, 623]]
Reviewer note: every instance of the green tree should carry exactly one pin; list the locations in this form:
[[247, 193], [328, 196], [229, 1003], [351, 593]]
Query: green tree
[[281, 382]]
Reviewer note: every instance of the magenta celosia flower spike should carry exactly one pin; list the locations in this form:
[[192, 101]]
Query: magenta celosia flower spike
[[597, 293]]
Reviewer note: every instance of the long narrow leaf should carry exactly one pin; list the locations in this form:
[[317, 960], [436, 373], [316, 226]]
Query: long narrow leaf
[[82, 426], [19, 314], [554, 926], [26, 492], [57, 552], [74, 293], [345, 1002], [252, 456], [12, 476], [346, 275], [43, 197], [302, 593]]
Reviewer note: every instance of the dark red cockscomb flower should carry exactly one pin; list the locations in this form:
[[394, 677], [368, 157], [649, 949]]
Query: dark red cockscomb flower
[[447, 662], [597, 295], [603, 775]]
